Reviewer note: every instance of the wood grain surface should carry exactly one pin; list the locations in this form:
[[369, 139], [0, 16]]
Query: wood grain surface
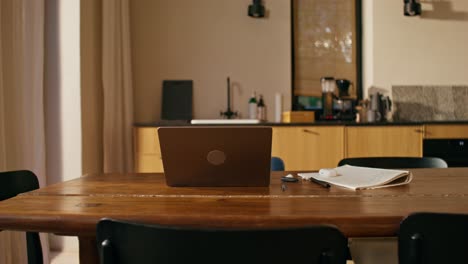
[[308, 147], [74, 207], [446, 131], [384, 141]]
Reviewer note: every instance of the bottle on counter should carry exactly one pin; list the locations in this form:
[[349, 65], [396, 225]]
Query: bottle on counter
[[278, 107], [253, 106], [261, 110]]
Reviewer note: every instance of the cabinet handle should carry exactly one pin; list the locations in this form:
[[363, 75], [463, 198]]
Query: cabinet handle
[[419, 131], [310, 132]]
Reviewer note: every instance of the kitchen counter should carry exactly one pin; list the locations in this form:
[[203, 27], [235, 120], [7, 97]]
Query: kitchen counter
[[322, 144], [316, 123]]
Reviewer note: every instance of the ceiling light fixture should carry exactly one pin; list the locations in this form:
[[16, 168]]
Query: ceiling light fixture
[[256, 9], [412, 7]]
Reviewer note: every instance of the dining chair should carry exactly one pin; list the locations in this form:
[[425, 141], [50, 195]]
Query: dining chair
[[277, 164], [13, 183], [395, 162], [431, 238], [384, 250], [124, 242]]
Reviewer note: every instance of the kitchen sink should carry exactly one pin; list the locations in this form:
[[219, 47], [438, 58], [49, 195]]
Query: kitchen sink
[[224, 121]]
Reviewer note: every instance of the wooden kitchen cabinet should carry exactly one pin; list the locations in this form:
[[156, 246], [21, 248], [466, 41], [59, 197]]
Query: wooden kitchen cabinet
[[301, 148], [384, 141], [147, 152], [308, 147], [316, 147], [446, 131]]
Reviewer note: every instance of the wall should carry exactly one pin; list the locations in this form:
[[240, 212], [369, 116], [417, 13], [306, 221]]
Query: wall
[[208, 40], [62, 93], [426, 50], [367, 44], [216, 39]]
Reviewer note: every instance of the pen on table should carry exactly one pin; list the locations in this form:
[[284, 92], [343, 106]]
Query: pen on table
[[321, 183]]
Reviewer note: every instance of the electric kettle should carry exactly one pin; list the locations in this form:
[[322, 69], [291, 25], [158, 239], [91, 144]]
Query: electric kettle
[[380, 107]]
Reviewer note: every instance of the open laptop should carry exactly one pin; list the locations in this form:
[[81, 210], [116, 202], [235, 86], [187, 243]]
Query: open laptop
[[216, 156]]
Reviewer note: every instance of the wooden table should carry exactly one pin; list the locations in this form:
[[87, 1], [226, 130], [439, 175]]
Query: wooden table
[[74, 207]]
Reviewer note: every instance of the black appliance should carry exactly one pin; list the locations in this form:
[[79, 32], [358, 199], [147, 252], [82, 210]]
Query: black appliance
[[453, 151], [344, 105]]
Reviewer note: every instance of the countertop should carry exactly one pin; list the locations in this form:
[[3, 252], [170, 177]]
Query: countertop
[[316, 123]]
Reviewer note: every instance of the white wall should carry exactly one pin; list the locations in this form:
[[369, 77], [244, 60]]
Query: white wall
[[426, 50], [367, 43], [207, 41], [62, 85]]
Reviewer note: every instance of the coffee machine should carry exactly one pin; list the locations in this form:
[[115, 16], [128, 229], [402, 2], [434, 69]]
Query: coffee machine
[[344, 105]]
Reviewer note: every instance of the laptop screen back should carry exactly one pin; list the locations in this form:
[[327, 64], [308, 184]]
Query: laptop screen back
[[216, 156]]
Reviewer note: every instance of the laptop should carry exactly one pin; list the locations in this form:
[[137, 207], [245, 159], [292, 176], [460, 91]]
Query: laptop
[[216, 156]]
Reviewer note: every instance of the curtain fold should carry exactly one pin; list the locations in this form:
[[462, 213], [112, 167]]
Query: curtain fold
[[22, 129], [117, 87]]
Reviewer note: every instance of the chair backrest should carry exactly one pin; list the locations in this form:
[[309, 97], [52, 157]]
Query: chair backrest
[[13, 183], [431, 238], [277, 164], [395, 162], [123, 242]]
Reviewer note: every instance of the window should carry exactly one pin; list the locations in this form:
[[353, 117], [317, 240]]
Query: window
[[325, 42]]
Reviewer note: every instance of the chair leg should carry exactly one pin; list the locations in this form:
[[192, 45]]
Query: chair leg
[[106, 252], [34, 248]]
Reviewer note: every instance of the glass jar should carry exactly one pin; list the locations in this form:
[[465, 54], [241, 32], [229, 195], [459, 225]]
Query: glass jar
[[328, 91]]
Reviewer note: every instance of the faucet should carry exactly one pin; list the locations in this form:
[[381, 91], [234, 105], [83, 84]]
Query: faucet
[[228, 113]]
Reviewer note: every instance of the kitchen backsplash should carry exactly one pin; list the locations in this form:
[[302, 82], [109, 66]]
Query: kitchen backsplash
[[430, 103]]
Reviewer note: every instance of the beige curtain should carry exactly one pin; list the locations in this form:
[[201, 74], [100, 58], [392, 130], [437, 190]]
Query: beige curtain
[[117, 86], [22, 132]]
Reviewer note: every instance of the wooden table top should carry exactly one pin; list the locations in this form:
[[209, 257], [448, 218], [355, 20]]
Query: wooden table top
[[74, 207]]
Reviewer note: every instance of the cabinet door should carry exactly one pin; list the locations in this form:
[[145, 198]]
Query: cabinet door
[[309, 147], [384, 141], [447, 131], [147, 152]]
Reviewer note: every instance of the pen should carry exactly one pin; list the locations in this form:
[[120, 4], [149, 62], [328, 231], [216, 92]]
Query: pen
[[321, 183]]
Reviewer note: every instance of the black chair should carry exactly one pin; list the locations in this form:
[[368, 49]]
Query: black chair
[[433, 238], [123, 242], [13, 183], [277, 164], [395, 162]]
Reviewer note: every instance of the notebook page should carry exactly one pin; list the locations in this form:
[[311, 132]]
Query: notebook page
[[354, 177]]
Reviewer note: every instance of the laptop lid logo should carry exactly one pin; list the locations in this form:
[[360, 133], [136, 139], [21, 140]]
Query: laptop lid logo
[[216, 157]]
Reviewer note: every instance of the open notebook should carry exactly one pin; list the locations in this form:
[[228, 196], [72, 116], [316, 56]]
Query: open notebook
[[357, 178]]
